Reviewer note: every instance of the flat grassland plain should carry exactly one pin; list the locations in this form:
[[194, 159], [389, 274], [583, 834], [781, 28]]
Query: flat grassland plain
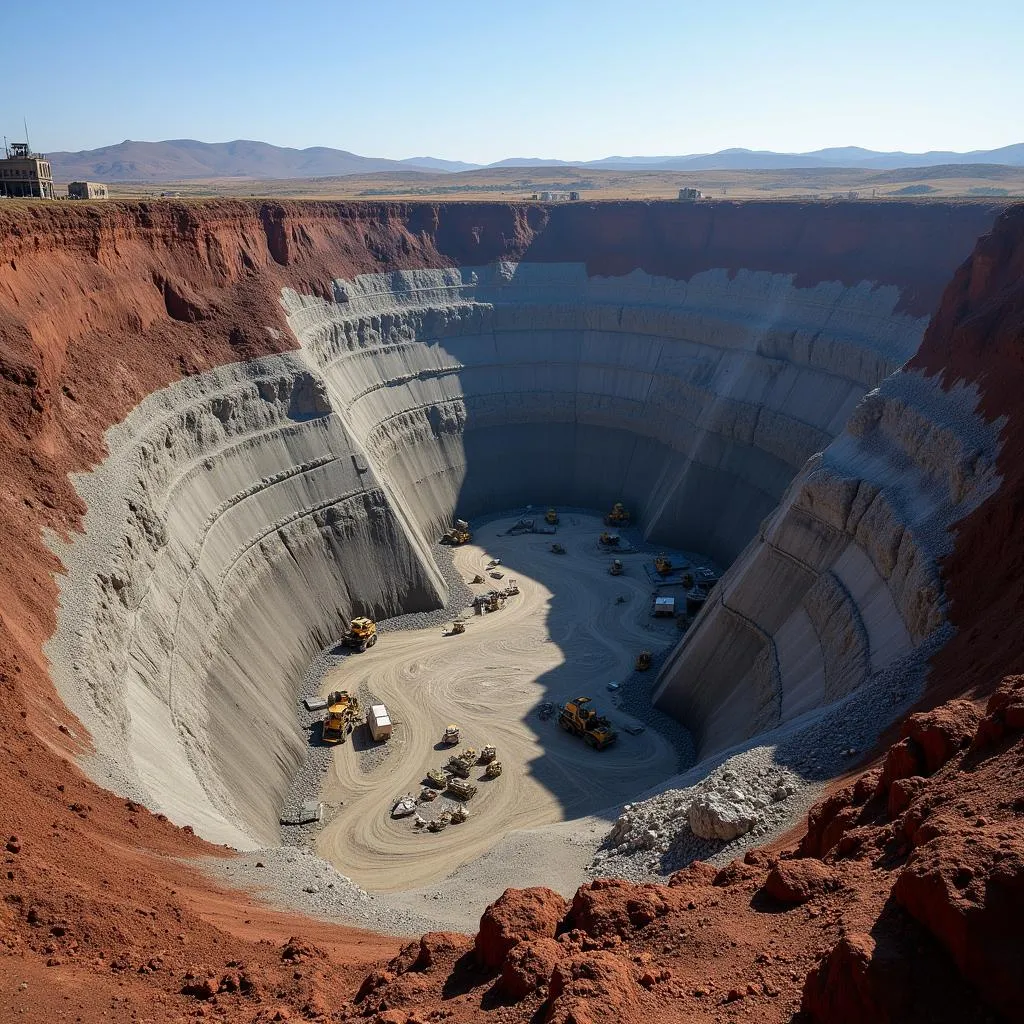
[[520, 183]]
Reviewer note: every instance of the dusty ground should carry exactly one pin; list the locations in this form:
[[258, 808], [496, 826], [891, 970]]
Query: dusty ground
[[519, 183], [539, 647]]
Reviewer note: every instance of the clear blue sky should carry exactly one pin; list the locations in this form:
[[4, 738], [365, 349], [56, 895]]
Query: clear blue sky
[[570, 79]]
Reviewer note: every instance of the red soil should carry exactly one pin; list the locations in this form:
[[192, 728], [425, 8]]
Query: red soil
[[100, 306]]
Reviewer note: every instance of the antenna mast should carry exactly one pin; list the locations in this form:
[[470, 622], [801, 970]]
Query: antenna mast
[[27, 143]]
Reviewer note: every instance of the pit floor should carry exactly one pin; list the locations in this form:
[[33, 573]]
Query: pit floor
[[563, 636]]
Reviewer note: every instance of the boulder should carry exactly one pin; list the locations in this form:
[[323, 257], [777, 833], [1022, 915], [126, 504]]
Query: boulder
[[902, 760], [298, 949], [902, 793], [1004, 714], [439, 949], [611, 906], [719, 813], [942, 732], [595, 987], [965, 885], [891, 976], [840, 989]]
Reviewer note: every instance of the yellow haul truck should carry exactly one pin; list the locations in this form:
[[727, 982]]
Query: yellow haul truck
[[362, 633], [342, 717]]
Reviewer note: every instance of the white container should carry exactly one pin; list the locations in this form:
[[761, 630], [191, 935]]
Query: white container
[[379, 722]]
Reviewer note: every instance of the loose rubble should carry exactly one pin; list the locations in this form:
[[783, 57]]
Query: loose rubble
[[717, 810]]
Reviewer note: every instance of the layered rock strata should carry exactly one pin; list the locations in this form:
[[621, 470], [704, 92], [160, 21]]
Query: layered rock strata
[[842, 579]]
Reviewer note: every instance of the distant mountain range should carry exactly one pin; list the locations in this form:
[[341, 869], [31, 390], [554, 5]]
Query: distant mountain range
[[185, 159]]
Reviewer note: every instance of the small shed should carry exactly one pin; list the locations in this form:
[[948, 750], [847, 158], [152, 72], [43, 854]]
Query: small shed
[[665, 606], [88, 190], [379, 722]]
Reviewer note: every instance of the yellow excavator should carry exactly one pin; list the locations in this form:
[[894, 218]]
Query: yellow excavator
[[362, 633], [609, 540], [343, 715], [619, 515], [581, 720], [663, 565], [458, 534]]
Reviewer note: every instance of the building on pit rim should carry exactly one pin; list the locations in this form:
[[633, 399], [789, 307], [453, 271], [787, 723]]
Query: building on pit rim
[[690, 195], [24, 174], [88, 190]]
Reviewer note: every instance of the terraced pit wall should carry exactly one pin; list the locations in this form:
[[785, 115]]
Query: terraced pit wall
[[464, 358]]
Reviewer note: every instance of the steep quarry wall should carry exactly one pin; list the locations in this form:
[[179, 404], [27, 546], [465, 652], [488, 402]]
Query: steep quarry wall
[[231, 531], [843, 578], [464, 357], [694, 402]]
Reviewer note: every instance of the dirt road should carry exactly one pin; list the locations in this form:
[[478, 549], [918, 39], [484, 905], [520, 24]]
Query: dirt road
[[563, 636]]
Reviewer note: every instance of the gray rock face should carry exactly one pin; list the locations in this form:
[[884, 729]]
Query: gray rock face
[[842, 579]]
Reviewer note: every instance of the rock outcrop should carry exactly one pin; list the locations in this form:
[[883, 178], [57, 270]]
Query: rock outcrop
[[519, 916]]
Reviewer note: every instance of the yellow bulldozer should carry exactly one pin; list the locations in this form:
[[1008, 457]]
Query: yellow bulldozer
[[362, 633], [580, 719], [619, 515], [343, 715], [458, 534], [551, 517]]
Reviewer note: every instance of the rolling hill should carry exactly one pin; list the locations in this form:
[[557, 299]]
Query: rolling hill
[[187, 159]]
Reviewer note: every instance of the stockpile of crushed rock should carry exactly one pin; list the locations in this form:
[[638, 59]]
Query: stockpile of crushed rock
[[718, 809]]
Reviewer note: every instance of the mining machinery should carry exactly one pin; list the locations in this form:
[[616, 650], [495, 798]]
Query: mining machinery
[[580, 719]]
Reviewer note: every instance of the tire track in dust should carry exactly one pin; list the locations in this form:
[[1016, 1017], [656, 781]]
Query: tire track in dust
[[564, 635]]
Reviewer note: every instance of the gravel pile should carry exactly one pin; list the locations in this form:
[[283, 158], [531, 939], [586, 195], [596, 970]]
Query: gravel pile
[[296, 878], [723, 806]]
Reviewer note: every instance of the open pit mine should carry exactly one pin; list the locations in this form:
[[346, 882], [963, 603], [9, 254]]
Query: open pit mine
[[319, 518]]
